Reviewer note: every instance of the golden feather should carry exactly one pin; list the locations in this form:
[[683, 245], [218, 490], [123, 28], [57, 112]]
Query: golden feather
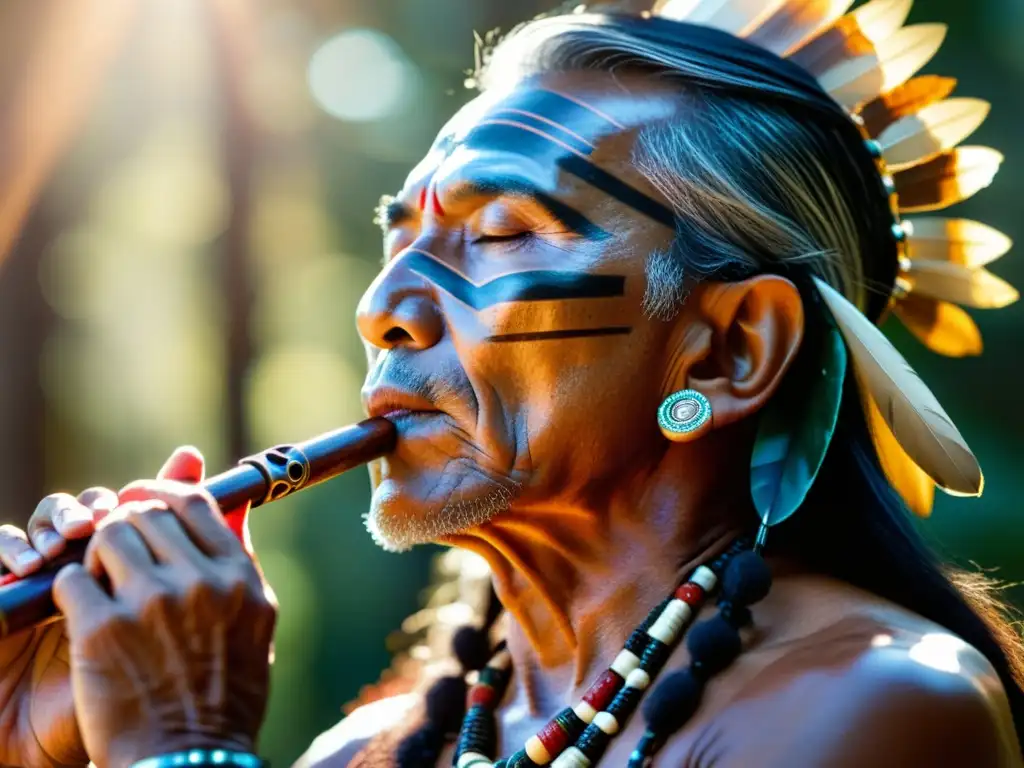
[[942, 327], [895, 60], [738, 17], [677, 10], [905, 100], [910, 410], [958, 241], [951, 177], [855, 34], [797, 21], [916, 138], [976, 288], [909, 480]]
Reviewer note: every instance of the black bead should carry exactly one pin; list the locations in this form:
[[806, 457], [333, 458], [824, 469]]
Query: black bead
[[479, 732], [593, 742], [714, 644], [747, 579], [738, 616], [672, 702], [421, 747], [446, 703], [653, 658], [472, 648], [624, 704], [648, 746]]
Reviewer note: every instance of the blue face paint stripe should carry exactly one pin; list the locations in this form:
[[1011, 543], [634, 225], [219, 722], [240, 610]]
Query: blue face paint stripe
[[568, 138], [536, 285]]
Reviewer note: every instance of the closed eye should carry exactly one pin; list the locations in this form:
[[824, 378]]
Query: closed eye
[[483, 239]]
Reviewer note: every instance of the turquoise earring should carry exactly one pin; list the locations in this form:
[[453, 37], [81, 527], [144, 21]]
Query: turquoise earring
[[684, 416]]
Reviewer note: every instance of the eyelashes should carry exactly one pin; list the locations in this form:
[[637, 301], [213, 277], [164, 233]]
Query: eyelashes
[[509, 238]]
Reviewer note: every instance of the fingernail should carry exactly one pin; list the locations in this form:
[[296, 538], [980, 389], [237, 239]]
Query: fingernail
[[28, 559], [73, 520], [49, 542]]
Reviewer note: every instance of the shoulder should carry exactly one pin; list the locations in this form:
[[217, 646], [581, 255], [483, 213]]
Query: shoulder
[[924, 699], [338, 746]]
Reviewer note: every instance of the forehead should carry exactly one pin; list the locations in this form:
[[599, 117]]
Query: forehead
[[538, 119]]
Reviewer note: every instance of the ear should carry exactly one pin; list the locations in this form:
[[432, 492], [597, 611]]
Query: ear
[[736, 343]]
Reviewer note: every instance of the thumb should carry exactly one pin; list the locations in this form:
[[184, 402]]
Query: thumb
[[184, 465]]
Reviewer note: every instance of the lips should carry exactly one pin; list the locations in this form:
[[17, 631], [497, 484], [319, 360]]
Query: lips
[[393, 403]]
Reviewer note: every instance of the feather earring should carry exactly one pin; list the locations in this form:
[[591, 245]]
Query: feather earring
[[793, 435], [910, 410]]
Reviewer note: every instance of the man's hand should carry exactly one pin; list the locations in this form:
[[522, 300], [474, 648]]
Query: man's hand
[[37, 713], [170, 629]]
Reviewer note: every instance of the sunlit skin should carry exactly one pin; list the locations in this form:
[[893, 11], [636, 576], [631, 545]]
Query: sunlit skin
[[540, 451]]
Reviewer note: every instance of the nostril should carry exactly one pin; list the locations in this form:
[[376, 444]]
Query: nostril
[[397, 335]]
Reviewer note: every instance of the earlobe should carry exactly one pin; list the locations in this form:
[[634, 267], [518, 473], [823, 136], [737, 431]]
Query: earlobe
[[756, 328]]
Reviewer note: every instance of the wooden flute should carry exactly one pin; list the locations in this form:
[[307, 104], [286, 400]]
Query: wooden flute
[[258, 479]]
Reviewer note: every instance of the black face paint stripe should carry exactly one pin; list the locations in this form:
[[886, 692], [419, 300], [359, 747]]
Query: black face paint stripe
[[577, 333], [533, 145], [537, 285]]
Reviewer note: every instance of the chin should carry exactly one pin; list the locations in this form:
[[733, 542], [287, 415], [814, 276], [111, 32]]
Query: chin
[[410, 508]]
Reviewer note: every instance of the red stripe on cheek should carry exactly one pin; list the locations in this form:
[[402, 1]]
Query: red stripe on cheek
[[423, 199], [438, 210]]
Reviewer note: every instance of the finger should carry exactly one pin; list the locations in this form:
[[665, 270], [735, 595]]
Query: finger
[[101, 501], [55, 515], [117, 550], [163, 534], [185, 465], [78, 596], [16, 553], [195, 507]]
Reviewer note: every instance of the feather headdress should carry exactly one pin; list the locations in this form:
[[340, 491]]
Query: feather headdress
[[867, 61]]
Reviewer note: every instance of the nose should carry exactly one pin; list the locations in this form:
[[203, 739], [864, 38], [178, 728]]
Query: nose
[[399, 310]]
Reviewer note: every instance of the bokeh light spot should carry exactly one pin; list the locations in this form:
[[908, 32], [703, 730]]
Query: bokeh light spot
[[360, 75]]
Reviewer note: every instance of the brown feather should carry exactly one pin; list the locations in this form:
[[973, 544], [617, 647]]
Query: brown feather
[[942, 327], [953, 176], [919, 137], [908, 407], [797, 21], [909, 480], [855, 34], [905, 100], [976, 287], [896, 59], [958, 241]]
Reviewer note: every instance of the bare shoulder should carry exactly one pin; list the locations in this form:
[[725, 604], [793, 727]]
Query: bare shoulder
[[337, 747], [869, 684]]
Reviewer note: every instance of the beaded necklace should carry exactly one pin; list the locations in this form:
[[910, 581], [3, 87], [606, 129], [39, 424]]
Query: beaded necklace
[[578, 736]]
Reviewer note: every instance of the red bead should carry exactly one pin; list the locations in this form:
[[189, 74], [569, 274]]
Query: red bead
[[601, 693], [554, 738], [690, 593], [483, 695]]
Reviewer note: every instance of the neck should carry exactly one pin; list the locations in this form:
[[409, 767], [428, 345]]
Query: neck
[[577, 578]]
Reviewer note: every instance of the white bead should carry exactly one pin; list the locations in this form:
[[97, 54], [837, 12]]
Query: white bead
[[537, 751], [705, 578], [625, 663], [667, 626], [571, 758], [638, 679], [607, 723], [585, 712], [473, 758]]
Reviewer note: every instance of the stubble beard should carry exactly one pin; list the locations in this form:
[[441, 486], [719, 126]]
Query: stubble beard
[[399, 533]]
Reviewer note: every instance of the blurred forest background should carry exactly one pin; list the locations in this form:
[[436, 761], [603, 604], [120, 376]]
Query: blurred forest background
[[186, 190]]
